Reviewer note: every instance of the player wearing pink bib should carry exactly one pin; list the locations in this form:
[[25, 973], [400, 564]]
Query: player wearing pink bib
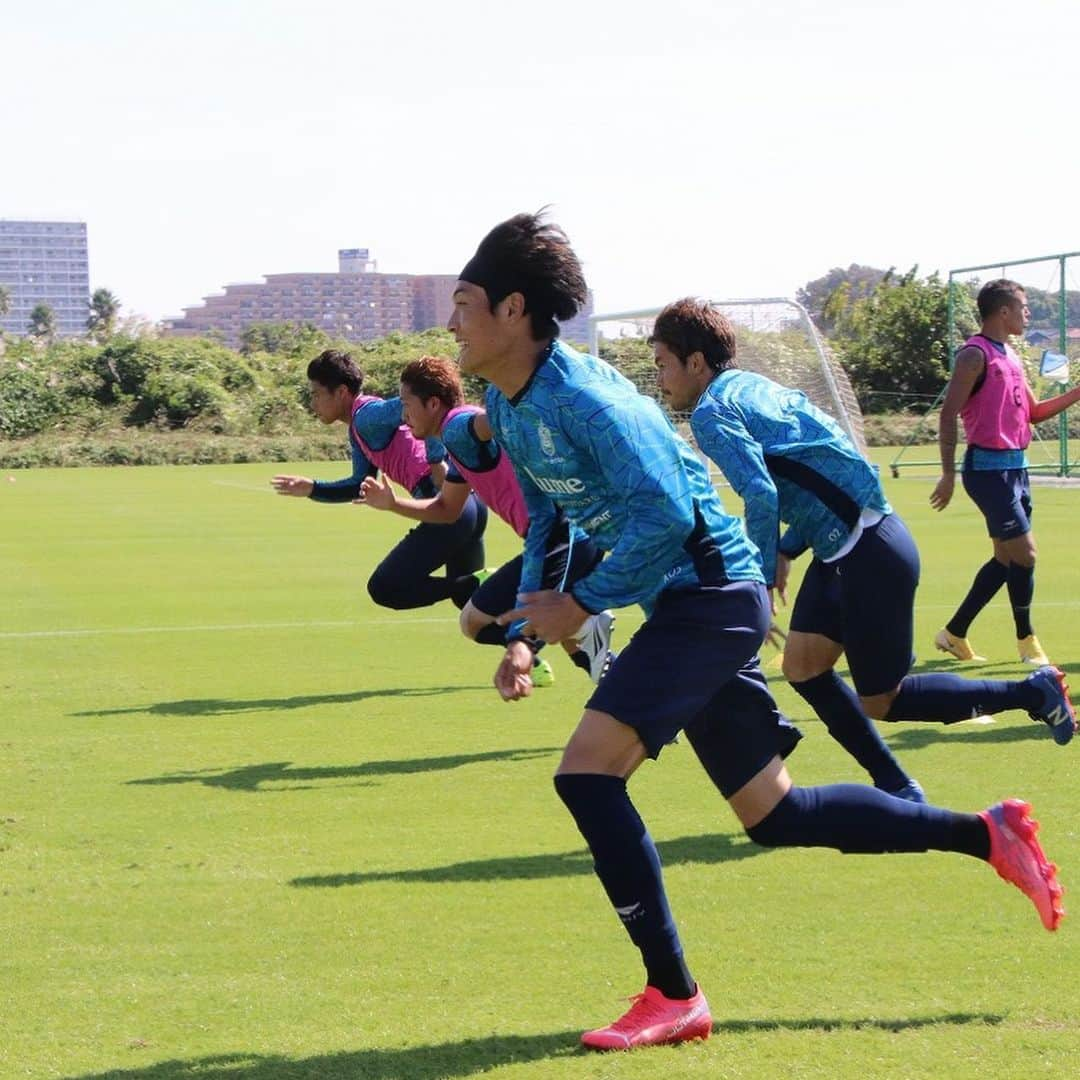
[[990, 393], [432, 403], [380, 442]]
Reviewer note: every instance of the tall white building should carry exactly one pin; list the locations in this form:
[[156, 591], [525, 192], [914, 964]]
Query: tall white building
[[45, 262]]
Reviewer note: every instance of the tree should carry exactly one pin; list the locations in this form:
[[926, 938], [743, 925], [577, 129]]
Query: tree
[[828, 296], [42, 323], [5, 301], [893, 342], [104, 307]]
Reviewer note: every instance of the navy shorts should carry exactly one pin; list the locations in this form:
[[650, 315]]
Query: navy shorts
[[564, 564], [693, 666], [866, 602], [1004, 498]]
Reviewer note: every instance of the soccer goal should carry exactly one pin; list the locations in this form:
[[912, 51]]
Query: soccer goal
[[775, 337], [1049, 348]]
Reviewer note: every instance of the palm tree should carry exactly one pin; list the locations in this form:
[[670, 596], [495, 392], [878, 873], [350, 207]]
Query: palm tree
[[104, 308], [42, 323]]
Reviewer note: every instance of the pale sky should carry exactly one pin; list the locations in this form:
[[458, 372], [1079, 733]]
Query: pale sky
[[727, 149]]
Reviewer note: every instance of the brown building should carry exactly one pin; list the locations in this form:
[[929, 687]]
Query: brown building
[[357, 303]]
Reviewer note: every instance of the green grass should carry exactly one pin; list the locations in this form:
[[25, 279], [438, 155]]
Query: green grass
[[253, 827]]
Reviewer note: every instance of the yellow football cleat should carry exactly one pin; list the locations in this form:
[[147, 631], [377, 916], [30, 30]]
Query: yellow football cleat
[[959, 648], [1031, 652]]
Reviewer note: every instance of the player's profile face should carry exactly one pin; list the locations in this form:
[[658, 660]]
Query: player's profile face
[[324, 402], [674, 381], [1017, 314], [476, 329], [418, 415]]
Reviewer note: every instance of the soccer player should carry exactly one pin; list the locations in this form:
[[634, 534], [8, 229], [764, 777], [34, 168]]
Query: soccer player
[[791, 463], [583, 440], [433, 407], [380, 441], [990, 393]]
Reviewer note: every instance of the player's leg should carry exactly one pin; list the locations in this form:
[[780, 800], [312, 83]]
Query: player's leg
[[855, 819], [465, 561], [406, 578], [991, 492], [878, 580], [663, 676], [1017, 545], [813, 647]]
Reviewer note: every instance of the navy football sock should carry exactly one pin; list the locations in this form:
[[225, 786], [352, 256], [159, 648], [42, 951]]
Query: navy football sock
[[951, 698], [1021, 583], [990, 577], [862, 820], [838, 706], [492, 634], [628, 866]]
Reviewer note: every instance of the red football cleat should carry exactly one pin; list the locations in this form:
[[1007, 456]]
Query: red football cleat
[[1018, 857], [654, 1020]]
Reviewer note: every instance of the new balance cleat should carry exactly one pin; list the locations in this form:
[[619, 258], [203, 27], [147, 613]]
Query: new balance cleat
[[482, 575], [1056, 709], [910, 792], [595, 642], [1031, 652], [959, 648], [1018, 857], [541, 674], [654, 1020]]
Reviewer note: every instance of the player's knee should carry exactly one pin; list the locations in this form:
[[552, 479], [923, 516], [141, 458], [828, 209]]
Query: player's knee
[[777, 827], [877, 706], [386, 591], [471, 621], [801, 669]]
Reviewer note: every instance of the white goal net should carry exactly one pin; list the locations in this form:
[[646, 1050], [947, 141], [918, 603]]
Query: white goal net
[[775, 337]]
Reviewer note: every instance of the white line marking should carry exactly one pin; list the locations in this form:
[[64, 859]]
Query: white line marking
[[267, 490], [223, 627]]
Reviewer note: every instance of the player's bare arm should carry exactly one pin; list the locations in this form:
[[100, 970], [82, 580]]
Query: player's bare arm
[[970, 364]]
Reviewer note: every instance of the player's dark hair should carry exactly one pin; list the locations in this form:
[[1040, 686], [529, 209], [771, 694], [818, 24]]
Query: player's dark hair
[[531, 256], [434, 377], [690, 325], [997, 294], [333, 368]]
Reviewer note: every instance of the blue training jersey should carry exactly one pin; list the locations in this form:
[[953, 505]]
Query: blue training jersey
[[789, 461], [582, 439]]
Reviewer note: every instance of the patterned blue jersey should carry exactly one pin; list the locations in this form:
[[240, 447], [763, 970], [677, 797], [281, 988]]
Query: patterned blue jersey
[[584, 440], [789, 461]]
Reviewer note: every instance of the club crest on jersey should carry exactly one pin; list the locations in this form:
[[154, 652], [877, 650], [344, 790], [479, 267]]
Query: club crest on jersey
[[547, 443]]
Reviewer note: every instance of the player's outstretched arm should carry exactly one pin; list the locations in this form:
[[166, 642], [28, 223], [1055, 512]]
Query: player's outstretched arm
[[1050, 407], [299, 486]]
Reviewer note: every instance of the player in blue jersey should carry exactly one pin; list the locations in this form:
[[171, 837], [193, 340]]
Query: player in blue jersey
[[584, 441], [379, 440], [792, 463]]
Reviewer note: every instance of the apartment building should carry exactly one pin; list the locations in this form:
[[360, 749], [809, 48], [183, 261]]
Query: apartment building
[[45, 262]]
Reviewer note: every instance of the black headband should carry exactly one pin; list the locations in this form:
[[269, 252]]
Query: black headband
[[497, 281]]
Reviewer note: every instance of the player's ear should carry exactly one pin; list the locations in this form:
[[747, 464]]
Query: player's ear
[[697, 363], [514, 304]]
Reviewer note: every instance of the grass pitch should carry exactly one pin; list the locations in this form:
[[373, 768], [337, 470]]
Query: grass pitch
[[254, 828]]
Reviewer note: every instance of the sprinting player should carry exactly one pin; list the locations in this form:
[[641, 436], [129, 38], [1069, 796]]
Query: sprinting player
[[791, 463], [990, 393], [433, 407], [380, 441], [584, 441]]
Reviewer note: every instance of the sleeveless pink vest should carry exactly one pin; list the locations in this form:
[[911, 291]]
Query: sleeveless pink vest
[[404, 459], [496, 488], [997, 416]]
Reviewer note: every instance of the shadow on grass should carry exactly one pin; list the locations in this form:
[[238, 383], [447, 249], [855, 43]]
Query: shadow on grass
[[471, 1057], [711, 848], [227, 706], [912, 738], [251, 777]]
